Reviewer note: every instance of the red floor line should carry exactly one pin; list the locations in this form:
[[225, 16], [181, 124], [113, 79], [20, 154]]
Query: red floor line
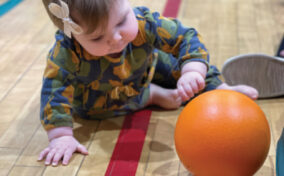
[[126, 154], [172, 8]]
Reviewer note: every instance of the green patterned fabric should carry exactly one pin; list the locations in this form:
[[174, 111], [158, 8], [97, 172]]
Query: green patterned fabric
[[99, 87]]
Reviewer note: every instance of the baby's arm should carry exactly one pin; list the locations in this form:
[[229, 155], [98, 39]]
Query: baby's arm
[[56, 103], [182, 42], [62, 145], [192, 79]]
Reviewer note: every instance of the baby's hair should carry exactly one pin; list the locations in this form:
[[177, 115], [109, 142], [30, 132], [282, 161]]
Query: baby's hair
[[91, 13]]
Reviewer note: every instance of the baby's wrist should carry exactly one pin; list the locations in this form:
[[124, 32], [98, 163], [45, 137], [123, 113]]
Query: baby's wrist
[[193, 66], [59, 132], [196, 72]]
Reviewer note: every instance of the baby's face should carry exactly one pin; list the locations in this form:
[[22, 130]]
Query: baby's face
[[121, 29]]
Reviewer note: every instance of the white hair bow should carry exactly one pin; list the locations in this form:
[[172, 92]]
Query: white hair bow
[[62, 12]]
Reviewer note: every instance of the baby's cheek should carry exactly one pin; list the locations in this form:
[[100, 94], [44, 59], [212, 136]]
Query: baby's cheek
[[132, 29], [134, 32]]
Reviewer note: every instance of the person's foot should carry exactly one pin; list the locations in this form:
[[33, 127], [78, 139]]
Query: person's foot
[[247, 90], [281, 53], [264, 73], [164, 98]]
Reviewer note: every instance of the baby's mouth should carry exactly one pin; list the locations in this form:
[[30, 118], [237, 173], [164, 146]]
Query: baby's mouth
[[115, 55]]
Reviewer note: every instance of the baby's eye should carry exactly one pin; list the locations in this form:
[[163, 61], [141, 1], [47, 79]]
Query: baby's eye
[[122, 22], [97, 39]]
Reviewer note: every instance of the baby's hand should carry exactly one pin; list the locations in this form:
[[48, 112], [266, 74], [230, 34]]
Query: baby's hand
[[189, 84], [61, 148]]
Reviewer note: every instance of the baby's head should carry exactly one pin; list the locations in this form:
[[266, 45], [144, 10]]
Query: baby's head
[[102, 27], [91, 13]]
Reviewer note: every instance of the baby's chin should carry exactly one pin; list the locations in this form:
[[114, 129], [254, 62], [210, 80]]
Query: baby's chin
[[99, 54], [111, 54]]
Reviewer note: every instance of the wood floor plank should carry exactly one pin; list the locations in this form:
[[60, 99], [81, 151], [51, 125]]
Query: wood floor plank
[[70, 170], [26, 171], [189, 14], [183, 171], [7, 159], [143, 163], [162, 158], [154, 5], [221, 37], [28, 157], [247, 28], [278, 11], [227, 32], [15, 64], [268, 40], [211, 34], [22, 42], [13, 104], [22, 128], [15, 29], [101, 147]]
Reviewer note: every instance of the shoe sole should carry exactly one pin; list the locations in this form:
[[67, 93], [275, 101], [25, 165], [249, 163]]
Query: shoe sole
[[265, 73]]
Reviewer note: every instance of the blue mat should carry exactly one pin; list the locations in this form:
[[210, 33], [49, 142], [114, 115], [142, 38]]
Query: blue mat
[[8, 5], [280, 156]]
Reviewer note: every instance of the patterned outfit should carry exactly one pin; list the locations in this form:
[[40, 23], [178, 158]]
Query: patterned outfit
[[99, 87]]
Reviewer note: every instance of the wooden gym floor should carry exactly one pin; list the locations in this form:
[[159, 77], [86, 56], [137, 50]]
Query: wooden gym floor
[[229, 28]]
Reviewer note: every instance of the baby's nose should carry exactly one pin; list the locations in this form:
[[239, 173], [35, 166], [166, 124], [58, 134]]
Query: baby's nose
[[115, 38]]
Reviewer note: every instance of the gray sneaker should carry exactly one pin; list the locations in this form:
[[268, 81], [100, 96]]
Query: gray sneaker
[[265, 73]]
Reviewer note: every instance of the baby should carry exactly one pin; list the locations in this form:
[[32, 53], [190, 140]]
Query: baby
[[110, 59]]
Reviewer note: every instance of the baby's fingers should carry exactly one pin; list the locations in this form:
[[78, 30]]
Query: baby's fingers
[[67, 155], [194, 87], [50, 156], [43, 154], [182, 93], [82, 149], [201, 84], [58, 155]]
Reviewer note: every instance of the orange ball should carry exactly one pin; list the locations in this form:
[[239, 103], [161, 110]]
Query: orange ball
[[222, 133]]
